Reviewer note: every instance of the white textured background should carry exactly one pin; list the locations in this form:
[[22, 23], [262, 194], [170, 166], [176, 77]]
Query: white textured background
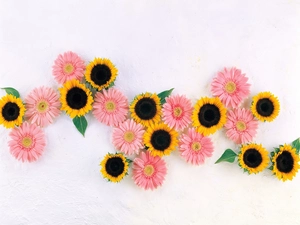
[[156, 45]]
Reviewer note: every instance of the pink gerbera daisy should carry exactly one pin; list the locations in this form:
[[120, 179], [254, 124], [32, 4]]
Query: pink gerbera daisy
[[195, 147], [149, 171], [128, 137], [241, 125], [177, 112], [67, 67], [110, 107], [231, 87], [28, 142], [42, 106]]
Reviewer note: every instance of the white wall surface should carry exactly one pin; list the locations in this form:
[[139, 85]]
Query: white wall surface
[[156, 45]]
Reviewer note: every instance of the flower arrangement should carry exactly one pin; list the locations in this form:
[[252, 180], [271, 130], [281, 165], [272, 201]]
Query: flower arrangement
[[149, 127], [254, 158]]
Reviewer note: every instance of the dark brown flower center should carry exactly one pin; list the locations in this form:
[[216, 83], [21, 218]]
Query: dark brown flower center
[[76, 98], [209, 115], [100, 74], [115, 166], [161, 140], [10, 111], [252, 158], [264, 107], [285, 162], [145, 108]]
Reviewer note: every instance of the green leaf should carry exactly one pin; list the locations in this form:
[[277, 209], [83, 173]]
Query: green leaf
[[110, 85], [272, 154], [80, 123], [92, 89], [228, 156], [296, 145], [11, 91], [89, 86], [276, 150], [246, 171], [164, 94], [271, 167]]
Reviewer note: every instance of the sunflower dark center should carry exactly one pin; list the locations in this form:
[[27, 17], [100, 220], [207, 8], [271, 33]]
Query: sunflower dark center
[[145, 108], [209, 115], [285, 162], [252, 158], [76, 98], [264, 107], [114, 166], [100, 74], [161, 139], [10, 111]]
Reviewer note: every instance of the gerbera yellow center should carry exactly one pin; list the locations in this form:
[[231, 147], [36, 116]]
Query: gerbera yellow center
[[149, 170], [68, 68], [177, 111], [110, 106], [27, 142], [42, 106], [240, 126], [196, 146], [129, 136], [230, 87]]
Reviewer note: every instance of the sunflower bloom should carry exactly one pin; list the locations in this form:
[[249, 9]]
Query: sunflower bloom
[[146, 109], [75, 98], [114, 167], [285, 163], [101, 73], [160, 139], [12, 111], [265, 106], [253, 158], [209, 115]]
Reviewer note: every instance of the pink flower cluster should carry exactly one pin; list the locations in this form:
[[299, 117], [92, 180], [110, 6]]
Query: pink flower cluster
[[232, 87], [29, 141]]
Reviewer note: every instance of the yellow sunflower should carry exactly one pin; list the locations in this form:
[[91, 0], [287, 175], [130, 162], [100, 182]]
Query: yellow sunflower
[[265, 106], [160, 139], [101, 73], [114, 167], [253, 158], [12, 111], [209, 115], [285, 163], [146, 109], [75, 98]]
